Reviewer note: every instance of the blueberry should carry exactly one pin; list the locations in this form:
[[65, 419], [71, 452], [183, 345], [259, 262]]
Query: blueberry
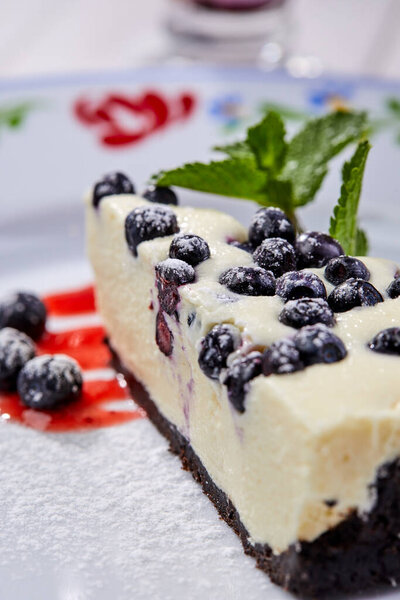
[[317, 344], [148, 222], [174, 272], [300, 284], [270, 223], [47, 382], [250, 281], [16, 349], [307, 311], [341, 268], [190, 248], [240, 373], [25, 312], [245, 246], [275, 255], [164, 336], [386, 341], [160, 195], [315, 249], [352, 293], [170, 274], [281, 358], [110, 185], [215, 348], [394, 288]]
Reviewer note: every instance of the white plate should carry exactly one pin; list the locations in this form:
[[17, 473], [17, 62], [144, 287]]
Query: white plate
[[110, 514]]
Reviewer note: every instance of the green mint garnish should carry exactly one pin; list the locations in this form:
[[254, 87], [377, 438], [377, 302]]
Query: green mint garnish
[[268, 169], [344, 224], [266, 141], [234, 177], [311, 149]]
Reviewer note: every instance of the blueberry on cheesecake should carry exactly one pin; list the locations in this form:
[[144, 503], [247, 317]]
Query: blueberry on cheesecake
[[273, 372]]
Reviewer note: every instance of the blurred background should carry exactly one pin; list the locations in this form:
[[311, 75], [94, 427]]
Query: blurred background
[[42, 36], [91, 86]]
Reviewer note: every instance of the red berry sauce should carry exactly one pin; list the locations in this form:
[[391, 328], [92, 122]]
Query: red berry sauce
[[87, 345]]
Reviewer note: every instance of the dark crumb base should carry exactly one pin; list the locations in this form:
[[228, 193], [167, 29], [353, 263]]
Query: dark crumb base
[[356, 555]]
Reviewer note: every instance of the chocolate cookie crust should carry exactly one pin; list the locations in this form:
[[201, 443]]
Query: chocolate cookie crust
[[360, 553]]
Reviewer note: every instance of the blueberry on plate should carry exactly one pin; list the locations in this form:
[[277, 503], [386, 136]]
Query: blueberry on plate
[[173, 271], [282, 358], [315, 249], [16, 349], [110, 185], [317, 344], [341, 268], [300, 284], [215, 348], [387, 341], [352, 293], [47, 382], [276, 255], [190, 248], [394, 288], [242, 370], [249, 281], [161, 195], [307, 311], [270, 223], [147, 223], [25, 312]]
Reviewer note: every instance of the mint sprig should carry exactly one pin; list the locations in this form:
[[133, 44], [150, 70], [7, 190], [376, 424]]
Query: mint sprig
[[344, 223], [266, 141], [310, 151], [268, 169], [234, 177]]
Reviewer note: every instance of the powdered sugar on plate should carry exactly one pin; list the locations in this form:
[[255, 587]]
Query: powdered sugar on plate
[[113, 506]]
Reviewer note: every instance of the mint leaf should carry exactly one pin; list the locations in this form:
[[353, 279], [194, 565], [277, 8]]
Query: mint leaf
[[267, 142], [267, 169], [344, 224], [235, 150], [280, 194], [314, 146], [286, 112], [235, 177], [362, 245]]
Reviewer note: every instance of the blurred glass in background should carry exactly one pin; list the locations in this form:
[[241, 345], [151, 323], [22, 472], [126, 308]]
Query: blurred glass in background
[[240, 32]]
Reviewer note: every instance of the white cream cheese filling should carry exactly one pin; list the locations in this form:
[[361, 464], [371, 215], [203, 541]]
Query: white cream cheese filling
[[305, 438]]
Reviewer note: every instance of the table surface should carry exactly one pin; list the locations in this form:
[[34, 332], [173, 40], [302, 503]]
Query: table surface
[[45, 36]]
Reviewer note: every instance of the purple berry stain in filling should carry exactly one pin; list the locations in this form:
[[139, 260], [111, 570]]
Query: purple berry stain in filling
[[170, 274], [164, 336]]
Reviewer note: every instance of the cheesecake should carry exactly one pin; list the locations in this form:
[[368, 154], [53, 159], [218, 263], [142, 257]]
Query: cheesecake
[[271, 363]]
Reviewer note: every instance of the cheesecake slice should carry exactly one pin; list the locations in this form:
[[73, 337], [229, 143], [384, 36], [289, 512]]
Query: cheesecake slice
[[274, 374]]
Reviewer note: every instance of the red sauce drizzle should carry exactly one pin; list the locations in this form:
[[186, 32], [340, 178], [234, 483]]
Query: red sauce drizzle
[[71, 303], [89, 412], [87, 346]]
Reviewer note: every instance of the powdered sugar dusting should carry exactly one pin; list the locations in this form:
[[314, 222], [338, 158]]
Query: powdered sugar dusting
[[112, 515], [15, 347]]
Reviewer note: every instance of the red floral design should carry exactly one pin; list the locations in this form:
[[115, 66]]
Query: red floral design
[[152, 111]]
